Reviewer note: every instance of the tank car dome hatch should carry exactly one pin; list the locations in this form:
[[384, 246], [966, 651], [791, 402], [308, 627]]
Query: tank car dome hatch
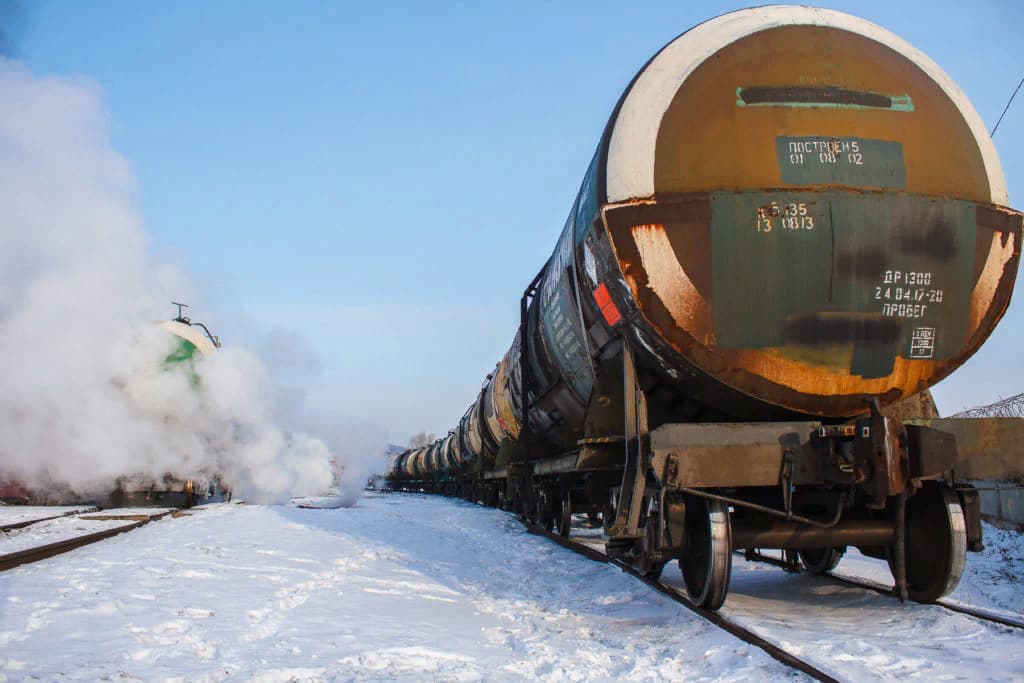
[[192, 339]]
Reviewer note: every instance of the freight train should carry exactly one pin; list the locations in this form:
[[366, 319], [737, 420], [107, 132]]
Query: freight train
[[794, 219]]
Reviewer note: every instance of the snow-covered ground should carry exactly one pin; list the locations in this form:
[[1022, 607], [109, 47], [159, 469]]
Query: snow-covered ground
[[413, 587], [399, 587]]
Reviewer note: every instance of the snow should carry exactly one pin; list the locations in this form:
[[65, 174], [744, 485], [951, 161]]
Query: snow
[[321, 502], [414, 587], [400, 587]]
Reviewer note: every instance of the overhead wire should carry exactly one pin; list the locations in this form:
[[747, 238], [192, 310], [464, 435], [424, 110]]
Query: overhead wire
[[1006, 108]]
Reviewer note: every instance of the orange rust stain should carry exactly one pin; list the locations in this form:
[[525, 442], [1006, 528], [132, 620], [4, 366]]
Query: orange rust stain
[[667, 278], [999, 255], [503, 400]]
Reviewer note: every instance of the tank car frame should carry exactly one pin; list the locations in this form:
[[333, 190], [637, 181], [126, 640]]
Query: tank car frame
[[697, 492]]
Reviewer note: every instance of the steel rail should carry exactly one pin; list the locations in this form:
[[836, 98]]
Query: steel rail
[[882, 589], [719, 620], [21, 525], [969, 610], [43, 552]]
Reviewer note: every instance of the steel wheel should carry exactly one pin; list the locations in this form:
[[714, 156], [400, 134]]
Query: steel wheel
[[545, 518], [565, 515], [707, 563], [821, 560], [936, 545]]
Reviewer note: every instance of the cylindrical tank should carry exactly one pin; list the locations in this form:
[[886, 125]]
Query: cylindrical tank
[[791, 211], [430, 459], [412, 464], [397, 468], [456, 449], [447, 459], [470, 447]]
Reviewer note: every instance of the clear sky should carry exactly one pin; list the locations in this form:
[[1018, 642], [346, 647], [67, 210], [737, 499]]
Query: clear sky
[[384, 179]]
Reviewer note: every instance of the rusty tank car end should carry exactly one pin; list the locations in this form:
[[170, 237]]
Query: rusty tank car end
[[794, 219]]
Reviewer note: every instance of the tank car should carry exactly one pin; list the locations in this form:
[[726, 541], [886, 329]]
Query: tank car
[[793, 220], [133, 488], [194, 340]]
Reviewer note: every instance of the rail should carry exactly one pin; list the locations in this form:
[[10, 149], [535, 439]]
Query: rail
[[43, 552], [723, 622]]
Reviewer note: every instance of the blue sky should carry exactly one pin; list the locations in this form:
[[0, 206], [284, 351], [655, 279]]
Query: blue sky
[[385, 178]]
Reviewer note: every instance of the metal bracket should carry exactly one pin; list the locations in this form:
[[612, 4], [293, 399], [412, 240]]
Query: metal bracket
[[637, 453]]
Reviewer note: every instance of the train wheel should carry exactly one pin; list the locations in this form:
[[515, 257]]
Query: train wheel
[[545, 516], [610, 510], [821, 560], [565, 515], [707, 564], [936, 543]]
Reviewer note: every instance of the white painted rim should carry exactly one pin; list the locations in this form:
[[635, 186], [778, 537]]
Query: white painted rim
[[630, 170], [189, 333]]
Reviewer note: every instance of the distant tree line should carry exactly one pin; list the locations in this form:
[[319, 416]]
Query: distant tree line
[[421, 439]]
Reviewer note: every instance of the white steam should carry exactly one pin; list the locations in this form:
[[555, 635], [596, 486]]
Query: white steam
[[86, 394]]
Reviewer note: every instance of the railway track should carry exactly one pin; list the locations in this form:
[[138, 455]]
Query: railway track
[[720, 620], [734, 627], [14, 526], [48, 550], [969, 610], [882, 589]]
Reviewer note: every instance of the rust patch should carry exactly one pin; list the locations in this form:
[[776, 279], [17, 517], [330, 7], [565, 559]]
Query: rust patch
[[1001, 253], [670, 282]]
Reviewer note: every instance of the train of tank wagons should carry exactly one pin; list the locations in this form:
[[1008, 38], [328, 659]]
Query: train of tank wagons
[[193, 340], [794, 219]]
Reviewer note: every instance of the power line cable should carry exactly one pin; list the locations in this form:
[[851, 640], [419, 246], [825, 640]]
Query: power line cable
[[1006, 108]]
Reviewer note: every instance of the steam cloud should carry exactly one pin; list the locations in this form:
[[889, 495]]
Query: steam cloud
[[86, 395]]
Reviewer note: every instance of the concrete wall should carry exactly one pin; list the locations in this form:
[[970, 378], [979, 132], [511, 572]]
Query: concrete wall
[[1002, 503]]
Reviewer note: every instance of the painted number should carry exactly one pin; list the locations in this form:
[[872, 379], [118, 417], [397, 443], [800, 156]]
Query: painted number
[[787, 216]]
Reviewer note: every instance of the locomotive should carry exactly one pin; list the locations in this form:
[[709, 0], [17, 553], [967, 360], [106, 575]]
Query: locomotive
[[793, 221]]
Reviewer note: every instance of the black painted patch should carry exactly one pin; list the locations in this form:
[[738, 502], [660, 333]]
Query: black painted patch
[[813, 94]]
